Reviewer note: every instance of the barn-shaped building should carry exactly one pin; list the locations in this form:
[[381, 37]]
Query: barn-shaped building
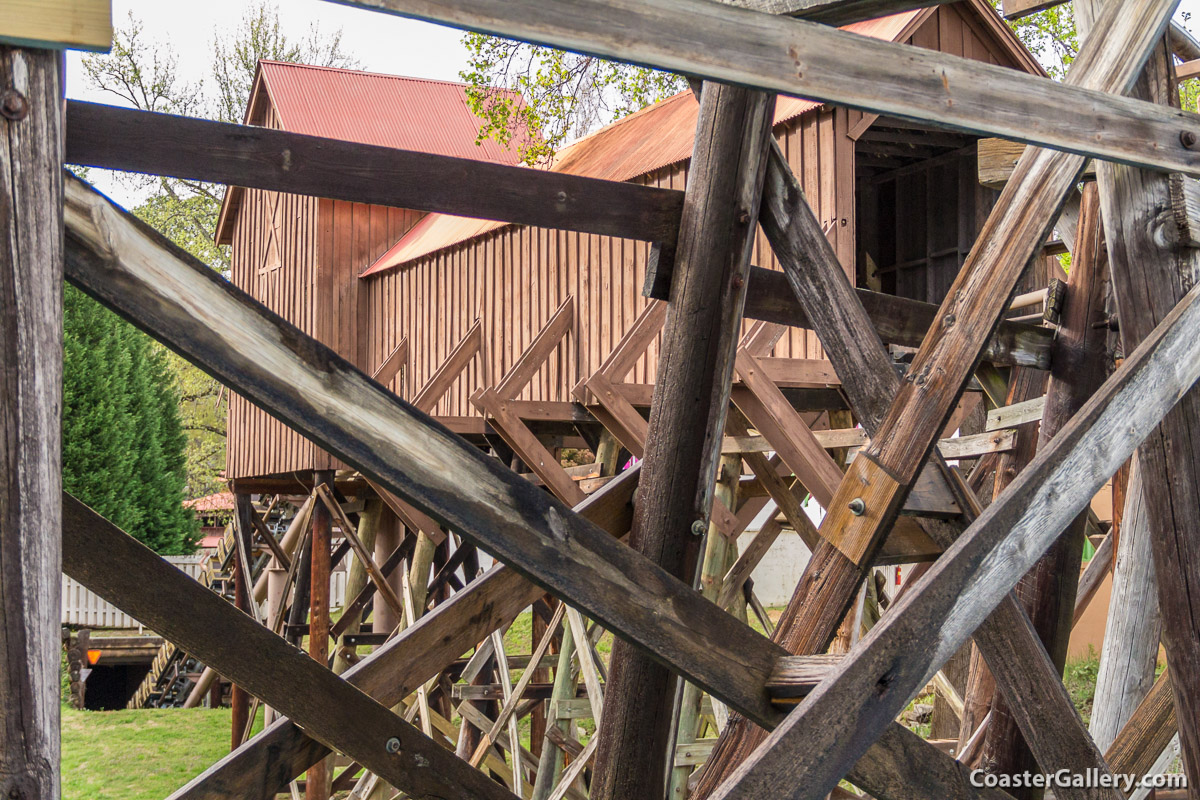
[[401, 292]]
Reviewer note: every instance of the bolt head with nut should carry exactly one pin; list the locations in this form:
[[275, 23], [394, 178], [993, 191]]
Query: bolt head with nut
[[698, 527], [857, 507], [392, 745]]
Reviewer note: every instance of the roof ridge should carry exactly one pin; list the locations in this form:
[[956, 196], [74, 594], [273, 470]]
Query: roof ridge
[[367, 72]]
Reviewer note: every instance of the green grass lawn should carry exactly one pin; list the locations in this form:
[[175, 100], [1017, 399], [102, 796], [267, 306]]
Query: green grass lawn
[[138, 755]]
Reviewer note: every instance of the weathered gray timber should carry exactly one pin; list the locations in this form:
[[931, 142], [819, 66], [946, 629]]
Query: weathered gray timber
[[31, 260], [1150, 273], [1134, 626], [687, 415], [806, 755], [896, 320], [792, 56], [126, 573], [183, 303]]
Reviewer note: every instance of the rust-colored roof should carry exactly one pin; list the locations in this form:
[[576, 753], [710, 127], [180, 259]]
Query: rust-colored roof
[[221, 501], [648, 140], [385, 110], [417, 114]]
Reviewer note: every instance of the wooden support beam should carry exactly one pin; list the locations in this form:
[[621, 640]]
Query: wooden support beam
[[795, 57], [494, 403], [687, 416], [118, 568], [31, 329], [449, 370], [807, 755], [1149, 276], [897, 320], [181, 301], [999, 157], [392, 365], [57, 24], [263, 158]]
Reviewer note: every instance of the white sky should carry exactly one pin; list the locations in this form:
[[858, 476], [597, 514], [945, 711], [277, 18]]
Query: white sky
[[380, 42]]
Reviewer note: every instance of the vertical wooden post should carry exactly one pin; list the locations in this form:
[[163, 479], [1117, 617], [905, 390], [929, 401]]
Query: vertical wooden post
[[239, 699], [717, 561], [387, 539], [1152, 268], [368, 525], [317, 782], [31, 270], [687, 418], [1133, 628]]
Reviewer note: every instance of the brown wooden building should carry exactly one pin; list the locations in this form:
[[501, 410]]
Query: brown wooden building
[[398, 290]]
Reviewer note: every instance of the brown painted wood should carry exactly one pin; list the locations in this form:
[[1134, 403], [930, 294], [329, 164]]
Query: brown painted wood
[[31, 258], [118, 568], [877, 680], [795, 57], [687, 416], [450, 369], [183, 147], [1148, 279], [392, 365]]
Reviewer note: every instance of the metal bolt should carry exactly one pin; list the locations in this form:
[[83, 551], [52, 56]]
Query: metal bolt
[[857, 507], [1188, 139], [13, 105], [392, 745], [743, 216], [698, 527]]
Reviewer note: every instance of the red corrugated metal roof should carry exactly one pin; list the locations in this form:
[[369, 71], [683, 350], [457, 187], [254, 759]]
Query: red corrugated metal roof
[[221, 501], [418, 114], [648, 140], [386, 110]]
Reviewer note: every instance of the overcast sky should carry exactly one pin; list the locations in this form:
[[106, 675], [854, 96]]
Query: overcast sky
[[380, 42]]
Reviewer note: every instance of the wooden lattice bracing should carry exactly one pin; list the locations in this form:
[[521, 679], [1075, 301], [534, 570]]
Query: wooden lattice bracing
[[723, 439]]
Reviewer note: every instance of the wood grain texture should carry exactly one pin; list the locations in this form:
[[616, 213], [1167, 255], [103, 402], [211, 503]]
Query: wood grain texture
[[241, 155], [791, 56], [1147, 733], [1149, 278], [118, 568], [31, 259], [185, 303], [808, 754], [404, 451], [687, 416], [55, 24], [1134, 626], [1018, 224]]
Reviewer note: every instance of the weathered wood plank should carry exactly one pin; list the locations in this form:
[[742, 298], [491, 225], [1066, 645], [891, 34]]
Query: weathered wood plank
[[263, 158], [1149, 276], [687, 416], [897, 320], [118, 568], [57, 24], [808, 754], [792, 56], [31, 259]]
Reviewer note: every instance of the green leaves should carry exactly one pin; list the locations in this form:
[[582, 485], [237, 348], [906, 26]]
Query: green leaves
[[122, 443], [535, 99]]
